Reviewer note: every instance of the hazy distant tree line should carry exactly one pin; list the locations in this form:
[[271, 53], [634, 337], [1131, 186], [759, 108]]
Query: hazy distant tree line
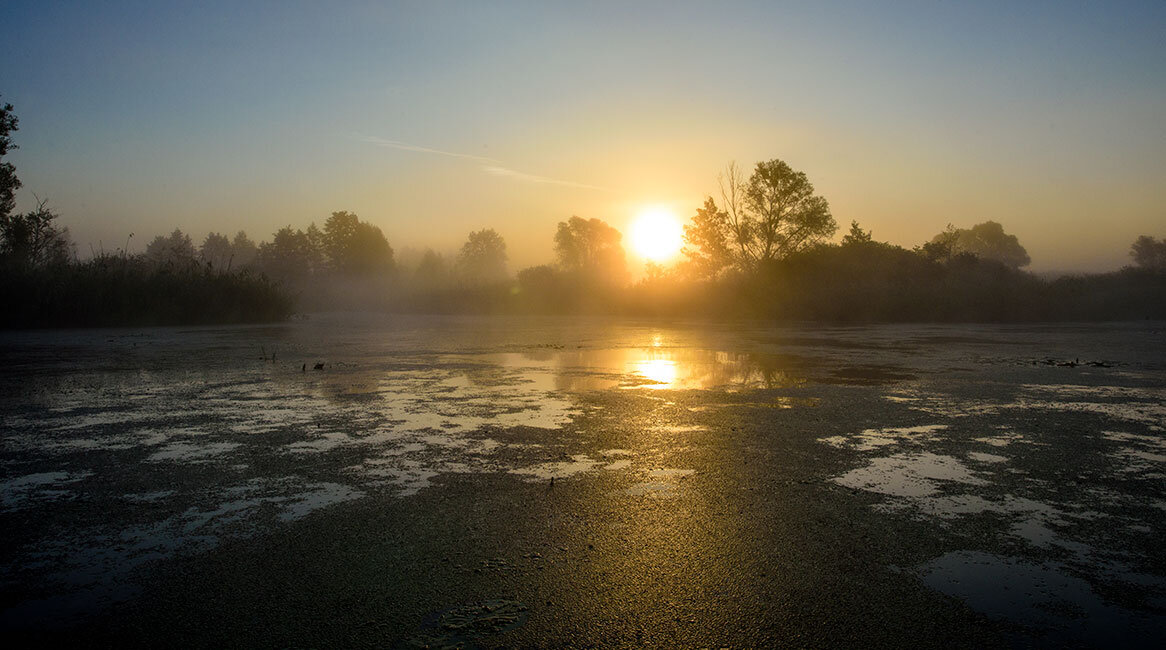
[[43, 283], [761, 249]]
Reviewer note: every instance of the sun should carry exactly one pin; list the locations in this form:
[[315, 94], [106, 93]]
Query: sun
[[656, 234]]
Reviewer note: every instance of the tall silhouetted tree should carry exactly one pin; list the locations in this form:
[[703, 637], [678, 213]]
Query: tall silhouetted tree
[[173, 249], [288, 256], [354, 246], [706, 242], [215, 251], [9, 183], [985, 240], [1149, 253], [243, 251], [32, 239], [482, 259], [768, 217], [856, 235], [317, 249], [591, 249]]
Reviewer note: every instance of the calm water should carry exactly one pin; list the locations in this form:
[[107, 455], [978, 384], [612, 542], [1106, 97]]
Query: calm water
[[123, 449]]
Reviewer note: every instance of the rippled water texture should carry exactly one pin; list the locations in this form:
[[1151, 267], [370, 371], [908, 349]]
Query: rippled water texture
[[122, 449]]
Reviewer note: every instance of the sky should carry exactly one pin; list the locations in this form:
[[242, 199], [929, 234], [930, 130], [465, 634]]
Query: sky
[[434, 119]]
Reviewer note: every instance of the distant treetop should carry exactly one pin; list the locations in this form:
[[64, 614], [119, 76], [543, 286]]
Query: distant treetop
[[766, 218], [985, 240]]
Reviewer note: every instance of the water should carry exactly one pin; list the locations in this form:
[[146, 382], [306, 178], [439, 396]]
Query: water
[[122, 449]]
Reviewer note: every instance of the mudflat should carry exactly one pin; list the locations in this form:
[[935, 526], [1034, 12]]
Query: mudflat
[[485, 481]]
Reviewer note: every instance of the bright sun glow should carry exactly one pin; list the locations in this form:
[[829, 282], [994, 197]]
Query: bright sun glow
[[661, 372], [656, 234]]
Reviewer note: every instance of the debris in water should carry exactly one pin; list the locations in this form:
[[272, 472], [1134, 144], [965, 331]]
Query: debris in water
[[468, 625]]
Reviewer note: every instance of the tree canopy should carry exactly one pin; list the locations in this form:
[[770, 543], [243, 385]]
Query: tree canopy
[[289, 255], [1149, 253], [175, 248], [243, 250], [215, 251], [766, 218], [33, 240], [856, 235], [9, 183], [707, 242], [591, 248], [355, 246], [482, 258], [986, 241]]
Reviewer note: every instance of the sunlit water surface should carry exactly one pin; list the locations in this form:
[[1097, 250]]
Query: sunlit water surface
[[130, 447]]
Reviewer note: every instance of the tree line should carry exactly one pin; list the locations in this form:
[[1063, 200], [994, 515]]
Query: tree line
[[761, 249]]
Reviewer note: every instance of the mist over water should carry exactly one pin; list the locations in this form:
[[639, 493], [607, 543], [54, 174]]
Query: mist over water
[[165, 444], [652, 325]]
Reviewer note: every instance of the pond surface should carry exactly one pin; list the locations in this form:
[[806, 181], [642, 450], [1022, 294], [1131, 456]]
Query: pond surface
[[1022, 466]]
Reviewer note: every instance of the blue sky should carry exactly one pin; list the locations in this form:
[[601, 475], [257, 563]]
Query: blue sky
[[907, 116]]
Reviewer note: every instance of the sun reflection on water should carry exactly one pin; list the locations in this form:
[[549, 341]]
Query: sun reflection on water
[[661, 372], [655, 366]]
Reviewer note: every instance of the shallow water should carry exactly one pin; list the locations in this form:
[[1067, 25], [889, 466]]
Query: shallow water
[[125, 448]]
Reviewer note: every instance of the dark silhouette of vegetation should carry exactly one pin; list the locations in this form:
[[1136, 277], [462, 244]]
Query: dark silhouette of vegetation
[[42, 284], [482, 259], [766, 218], [1149, 253], [762, 253], [9, 183], [244, 252], [707, 242], [591, 250], [131, 290], [353, 246], [29, 240], [432, 271], [856, 235], [291, 256], [215, 251], [986, 241], [32, 240], [175, 249]]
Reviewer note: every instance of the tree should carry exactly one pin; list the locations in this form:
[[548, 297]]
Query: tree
[[540, 286], [32, 240], [354, 246], [288, 256], [772, 215], [215, 251], [9, 183], [173, 249], [243, 251], [1149, 253], [706, 242], [317, 249], [856, 235], [431, 271], [482, 259], [592, 249], [941, 247], [986, 241]]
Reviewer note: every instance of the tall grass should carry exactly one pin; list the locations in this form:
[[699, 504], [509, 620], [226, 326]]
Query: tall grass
[[113, 290]]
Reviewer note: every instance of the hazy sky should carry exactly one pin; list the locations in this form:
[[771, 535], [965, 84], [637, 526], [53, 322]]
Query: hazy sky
[[431, 119]]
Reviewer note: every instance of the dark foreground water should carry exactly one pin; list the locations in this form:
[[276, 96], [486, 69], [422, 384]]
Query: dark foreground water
[[500, 482]]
